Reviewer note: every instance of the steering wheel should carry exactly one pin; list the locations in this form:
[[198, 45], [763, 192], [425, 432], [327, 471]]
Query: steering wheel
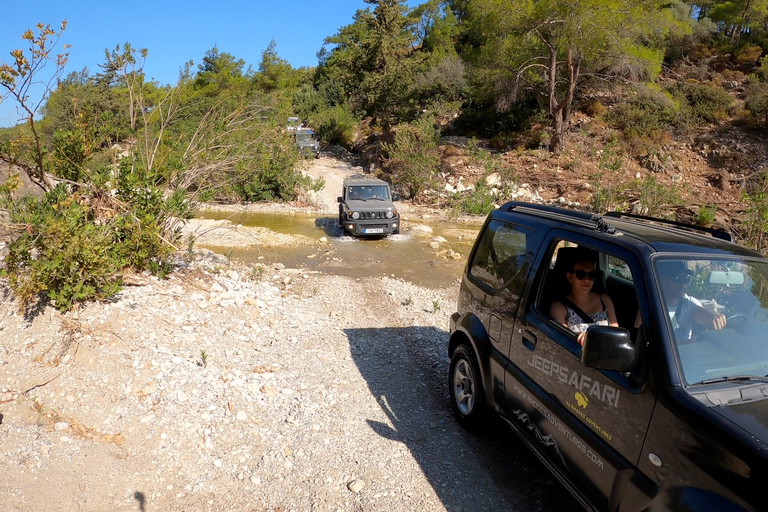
[[740, 316]]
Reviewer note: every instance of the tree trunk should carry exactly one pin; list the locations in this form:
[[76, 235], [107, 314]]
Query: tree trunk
[[561, 112]]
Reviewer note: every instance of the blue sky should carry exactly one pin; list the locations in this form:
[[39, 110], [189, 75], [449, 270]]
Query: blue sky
[[176, 32]]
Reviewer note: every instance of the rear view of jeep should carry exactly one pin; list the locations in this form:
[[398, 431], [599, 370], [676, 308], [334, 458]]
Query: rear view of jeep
[[366, 207]]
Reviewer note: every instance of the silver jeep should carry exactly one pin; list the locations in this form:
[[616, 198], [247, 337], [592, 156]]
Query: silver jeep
[[366, 207]]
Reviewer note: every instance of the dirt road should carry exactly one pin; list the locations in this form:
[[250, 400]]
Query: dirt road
[[234, 387]]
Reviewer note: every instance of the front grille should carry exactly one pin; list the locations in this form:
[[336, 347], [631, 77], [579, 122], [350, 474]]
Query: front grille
[[373, 215]]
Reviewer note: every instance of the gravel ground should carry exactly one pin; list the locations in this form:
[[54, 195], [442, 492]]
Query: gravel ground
[[228, 387]]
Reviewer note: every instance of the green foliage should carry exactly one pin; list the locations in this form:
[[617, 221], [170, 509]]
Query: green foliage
[[63, 255], [75, 246], [606, 182], [756, 100], [756, 224], [647, 114], [655, 197], [703, 103], [706, 215], [479, 202], [374, 61], [414, 158], [335, 125]]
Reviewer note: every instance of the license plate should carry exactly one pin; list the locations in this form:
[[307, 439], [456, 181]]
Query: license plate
[[373, 231]]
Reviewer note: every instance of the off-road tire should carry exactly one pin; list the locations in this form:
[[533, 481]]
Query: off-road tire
[[465, 387]]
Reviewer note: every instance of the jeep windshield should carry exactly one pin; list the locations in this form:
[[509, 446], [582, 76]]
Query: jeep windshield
[[368, 193], [717, 315]]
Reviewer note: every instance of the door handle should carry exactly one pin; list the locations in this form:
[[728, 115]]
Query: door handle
[[529, 340]]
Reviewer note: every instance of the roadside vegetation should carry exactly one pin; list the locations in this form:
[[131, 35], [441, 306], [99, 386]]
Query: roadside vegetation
[[118, 161]]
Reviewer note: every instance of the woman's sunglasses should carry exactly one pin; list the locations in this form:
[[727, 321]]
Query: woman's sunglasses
[[680, 278], [582, 274]]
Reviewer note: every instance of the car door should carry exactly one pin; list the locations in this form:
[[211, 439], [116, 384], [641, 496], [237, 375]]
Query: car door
[[589, 424], [497, 272]]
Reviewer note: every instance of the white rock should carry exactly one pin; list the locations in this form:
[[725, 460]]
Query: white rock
[[181, 396], [218, 463], [241, 415], [61, 425], [356, 485], [492, 179]]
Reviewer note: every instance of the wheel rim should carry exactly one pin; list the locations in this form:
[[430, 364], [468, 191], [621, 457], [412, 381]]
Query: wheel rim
[[464, 387]]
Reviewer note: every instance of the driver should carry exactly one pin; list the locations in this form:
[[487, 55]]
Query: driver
[[683, 309]]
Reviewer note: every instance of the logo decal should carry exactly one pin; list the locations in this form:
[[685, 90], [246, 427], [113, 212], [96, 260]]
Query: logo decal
[[581, 399], [584, 384], [549, 440]]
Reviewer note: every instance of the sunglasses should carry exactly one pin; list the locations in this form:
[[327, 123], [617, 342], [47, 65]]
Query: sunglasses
[[582, 275], [680, 278]]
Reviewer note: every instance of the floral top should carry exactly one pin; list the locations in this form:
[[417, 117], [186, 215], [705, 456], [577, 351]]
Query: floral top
[[577, 324]]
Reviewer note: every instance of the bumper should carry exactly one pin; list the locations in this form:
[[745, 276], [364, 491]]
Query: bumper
[[373, 227]]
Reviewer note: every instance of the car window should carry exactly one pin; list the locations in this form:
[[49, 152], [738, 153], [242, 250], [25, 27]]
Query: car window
[[614, 280], [501, 255], [736, 290], [368, 192]]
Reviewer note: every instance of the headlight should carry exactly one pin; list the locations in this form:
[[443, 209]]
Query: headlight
[[355, 215], [390, 214]]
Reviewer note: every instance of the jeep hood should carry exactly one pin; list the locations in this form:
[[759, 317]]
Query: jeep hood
[[750, 416], [370, 205]]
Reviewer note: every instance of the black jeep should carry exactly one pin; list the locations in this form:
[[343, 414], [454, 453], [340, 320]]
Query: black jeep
[[643, 416]]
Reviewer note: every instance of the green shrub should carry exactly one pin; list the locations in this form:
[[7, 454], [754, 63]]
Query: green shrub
[[704, 103], [756, 101], [607, 186], [655, 197], [335, 125], [62, 255], [414, 158], [479, 202], [76, 245], [648, 114], [706, 215]]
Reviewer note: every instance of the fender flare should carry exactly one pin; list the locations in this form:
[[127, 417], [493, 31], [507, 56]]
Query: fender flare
[[469, 329]]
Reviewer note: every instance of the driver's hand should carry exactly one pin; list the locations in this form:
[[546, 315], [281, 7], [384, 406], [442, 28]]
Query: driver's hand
[[718, 321]]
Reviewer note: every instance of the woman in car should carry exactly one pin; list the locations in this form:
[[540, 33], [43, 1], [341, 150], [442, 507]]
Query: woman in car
[[582, 307]]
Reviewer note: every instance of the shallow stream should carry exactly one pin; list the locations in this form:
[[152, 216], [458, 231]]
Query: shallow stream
[[408, 255]]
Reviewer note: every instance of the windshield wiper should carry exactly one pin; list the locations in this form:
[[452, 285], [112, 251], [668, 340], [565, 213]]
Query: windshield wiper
[[733, 378]]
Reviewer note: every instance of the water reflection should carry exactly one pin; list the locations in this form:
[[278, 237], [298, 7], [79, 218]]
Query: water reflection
[[408, 255]]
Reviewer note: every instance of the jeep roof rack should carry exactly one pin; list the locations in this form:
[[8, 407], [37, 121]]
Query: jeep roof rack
[[579, 218], [715, 233]]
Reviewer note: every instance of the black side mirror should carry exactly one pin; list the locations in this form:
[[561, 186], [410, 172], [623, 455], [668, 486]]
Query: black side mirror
[[339, 199], [608, 348], [395, 198]]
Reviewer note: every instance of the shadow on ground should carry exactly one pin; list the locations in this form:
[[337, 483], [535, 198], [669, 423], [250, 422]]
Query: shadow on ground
[[406, 371]]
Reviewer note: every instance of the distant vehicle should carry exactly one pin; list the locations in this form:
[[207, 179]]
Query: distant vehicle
[[292, 124], [366, 207], [307, 142]]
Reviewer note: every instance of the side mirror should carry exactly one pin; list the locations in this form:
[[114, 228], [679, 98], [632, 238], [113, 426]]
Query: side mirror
[[395, 198], [339, 199], [608, 348]]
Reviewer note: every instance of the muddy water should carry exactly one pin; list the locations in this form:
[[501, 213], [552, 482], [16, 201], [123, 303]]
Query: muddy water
[[407, 255]]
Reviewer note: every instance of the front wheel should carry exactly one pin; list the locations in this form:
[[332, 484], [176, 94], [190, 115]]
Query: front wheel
[[466, 387]]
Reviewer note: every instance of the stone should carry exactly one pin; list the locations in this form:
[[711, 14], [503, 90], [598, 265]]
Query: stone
[[61, 425], [356, 485], [241, 415], [492, 179]]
